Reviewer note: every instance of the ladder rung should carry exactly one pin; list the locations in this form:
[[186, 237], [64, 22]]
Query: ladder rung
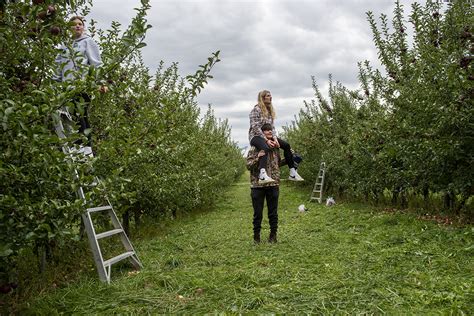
[[118, 258], [109, 233], [316, 191], [99, 208], [315, 198]]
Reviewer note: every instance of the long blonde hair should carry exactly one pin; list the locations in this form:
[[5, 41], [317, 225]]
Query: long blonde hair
[[266, 111]]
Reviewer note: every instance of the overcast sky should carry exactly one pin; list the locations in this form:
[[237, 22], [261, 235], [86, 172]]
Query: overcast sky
[[268, 44]]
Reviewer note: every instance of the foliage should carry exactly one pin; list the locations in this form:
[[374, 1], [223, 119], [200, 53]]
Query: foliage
[[171, 158], [37, 204], [153, 150], [409, 131]]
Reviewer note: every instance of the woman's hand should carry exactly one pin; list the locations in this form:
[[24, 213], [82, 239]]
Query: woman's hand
[[272, 144], [277, 144], [103, 89]]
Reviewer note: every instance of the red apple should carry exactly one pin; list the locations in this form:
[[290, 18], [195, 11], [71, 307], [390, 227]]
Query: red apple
[[51, 9], [55, 30], [5, 288], [42, 15], [465, 61]]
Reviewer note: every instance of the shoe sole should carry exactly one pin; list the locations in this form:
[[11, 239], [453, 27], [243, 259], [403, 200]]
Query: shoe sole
[[266, 181], [296, 180]]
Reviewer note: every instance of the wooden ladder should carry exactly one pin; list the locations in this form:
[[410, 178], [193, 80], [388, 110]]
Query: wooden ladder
[[317, 193]]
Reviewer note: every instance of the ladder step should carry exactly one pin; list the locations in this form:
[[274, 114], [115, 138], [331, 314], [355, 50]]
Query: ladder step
[[99, 208], [314, 198], [316, 191], [118, 258], [109, 233]]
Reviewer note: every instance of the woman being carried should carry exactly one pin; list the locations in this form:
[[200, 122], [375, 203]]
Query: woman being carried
[[263, 113]]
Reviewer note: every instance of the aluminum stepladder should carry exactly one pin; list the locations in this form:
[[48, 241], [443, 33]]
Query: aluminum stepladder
[[104, 267], [317, 193]]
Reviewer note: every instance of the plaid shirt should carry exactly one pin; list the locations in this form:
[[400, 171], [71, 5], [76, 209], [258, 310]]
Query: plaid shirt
[[273, 167], [256, 122]]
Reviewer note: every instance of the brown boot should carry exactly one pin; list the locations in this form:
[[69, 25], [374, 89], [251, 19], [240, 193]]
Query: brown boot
[[256, 237], [273, 237]]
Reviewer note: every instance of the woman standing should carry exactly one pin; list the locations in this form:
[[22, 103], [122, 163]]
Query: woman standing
[[263, 113], [74, 65]]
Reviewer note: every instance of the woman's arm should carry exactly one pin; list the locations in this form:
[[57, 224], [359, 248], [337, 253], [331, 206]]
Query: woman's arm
[[253, 157], [58, 74], [93, 53], [256, 122], [94, 59]]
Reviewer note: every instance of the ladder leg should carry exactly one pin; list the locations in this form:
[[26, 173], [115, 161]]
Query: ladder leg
[[94, 244], [125, 241], [109, 268]]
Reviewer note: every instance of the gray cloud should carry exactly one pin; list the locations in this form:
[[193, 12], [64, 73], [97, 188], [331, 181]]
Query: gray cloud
[[268, 44]]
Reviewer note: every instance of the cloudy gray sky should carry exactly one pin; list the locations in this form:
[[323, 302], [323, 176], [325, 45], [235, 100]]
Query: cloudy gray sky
[[265, 44]]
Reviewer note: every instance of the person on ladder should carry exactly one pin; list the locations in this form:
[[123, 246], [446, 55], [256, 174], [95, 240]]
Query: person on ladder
[[73, 65], [263, 112]]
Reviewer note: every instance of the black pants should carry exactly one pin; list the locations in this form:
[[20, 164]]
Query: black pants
[[261, 144], [259, 195], [82, 119]]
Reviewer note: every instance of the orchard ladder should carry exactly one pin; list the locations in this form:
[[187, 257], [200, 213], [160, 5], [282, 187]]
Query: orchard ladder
[[104, 267], [317, 193]]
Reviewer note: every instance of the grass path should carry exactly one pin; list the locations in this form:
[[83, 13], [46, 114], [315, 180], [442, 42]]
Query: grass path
[[346, 259]]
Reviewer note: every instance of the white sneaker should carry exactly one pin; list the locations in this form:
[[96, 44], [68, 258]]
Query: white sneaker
[[294, 176], [81, 154], [95, 182], [264, 178], [88, 152]]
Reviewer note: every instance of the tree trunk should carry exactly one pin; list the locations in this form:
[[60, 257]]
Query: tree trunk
[[137, 216], [376, 196], [449, 200], [403, 200], [394, 197], [126, 222], [426, 195]]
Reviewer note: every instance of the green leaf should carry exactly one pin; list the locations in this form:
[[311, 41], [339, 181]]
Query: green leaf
[[5, 252]]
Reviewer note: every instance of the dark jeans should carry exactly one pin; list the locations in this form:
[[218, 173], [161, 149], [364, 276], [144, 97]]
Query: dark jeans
[[82, 119], [259, 195], [261, 144]]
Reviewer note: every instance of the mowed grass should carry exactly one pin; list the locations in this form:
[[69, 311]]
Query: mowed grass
[[345, 259]]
